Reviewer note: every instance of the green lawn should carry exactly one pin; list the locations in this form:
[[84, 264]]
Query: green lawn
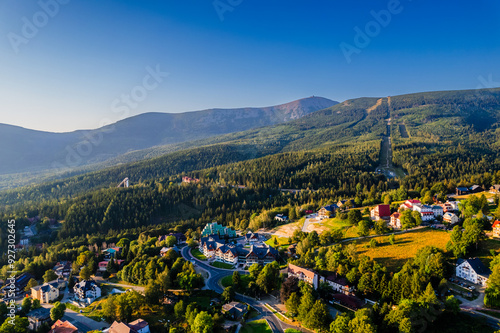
[[258, 326], [291, 330], [281, 241], [197, 254], [228, 281], [221, 265]]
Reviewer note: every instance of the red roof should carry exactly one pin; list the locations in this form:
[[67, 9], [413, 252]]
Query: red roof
[[496, 224], [384, 210], [396, 215], [414, 201], [292, 269]]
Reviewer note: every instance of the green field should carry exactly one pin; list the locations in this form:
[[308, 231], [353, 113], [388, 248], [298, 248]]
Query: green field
[[198, 255], [258, 326], [405, 247], [221, 265]]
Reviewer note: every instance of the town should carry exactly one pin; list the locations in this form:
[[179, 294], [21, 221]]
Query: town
[[299, 275]]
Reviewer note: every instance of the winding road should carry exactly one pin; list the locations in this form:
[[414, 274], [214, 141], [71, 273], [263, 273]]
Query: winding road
[[216, 274]]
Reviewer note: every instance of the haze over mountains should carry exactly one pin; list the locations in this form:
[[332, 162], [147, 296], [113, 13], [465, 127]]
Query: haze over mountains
[[36, 151]]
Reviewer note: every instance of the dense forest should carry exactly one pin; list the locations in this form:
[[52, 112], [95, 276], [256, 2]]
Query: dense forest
[[328, 155]]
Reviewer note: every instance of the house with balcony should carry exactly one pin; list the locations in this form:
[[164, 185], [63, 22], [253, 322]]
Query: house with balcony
[[472, 270]]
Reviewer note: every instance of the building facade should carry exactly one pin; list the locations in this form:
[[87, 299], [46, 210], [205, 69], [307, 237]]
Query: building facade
[[472, 270]]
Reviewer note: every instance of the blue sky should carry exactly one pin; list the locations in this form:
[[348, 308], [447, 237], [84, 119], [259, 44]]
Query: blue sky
[[84, 57]]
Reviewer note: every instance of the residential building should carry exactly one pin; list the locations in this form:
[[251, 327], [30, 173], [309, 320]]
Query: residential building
[[217, 229], [341, 203], [30, 231], [437, 210], [111, 252], [87, 291], [410, 204], [209, 244], [21, 282], [395, 221], [63, 327], [475, 189], [304, 274], [235, 310], [472, 270], [251, 237], [48, 292], [37, 318], [380, 212], [495, 189], [327, 211], [137, 326], [450, 218], [190, 180], [447, 207], [496, 229], [237, 254], [62, 269], [259, 253], [338, 283], [281, 218], [426, 212]]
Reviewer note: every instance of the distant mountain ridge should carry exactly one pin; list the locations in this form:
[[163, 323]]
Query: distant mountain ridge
[[26, 150]]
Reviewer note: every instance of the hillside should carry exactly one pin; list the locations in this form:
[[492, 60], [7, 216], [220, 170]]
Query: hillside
[[36, 151], [334, 152]]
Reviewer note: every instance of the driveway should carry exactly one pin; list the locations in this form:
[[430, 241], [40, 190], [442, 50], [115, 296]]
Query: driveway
[[313, 218]]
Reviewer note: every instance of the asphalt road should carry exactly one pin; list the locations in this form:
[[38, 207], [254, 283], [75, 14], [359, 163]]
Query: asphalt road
[[215, 274]]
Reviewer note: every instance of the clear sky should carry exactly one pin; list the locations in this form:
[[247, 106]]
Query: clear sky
[[66, 67]]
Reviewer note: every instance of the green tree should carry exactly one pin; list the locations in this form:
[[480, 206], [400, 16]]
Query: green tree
[[292, 304], [179, 309], [340, 324], [31, 283], [254, 270], [363, 228], [85, 273], [392, 239], [35, 304], [228, 294], [57, 312], [319, 317], [306, 304], [203, 323], [354, 216], [26, 305], [236, 280], [49, 276], [20, 325]]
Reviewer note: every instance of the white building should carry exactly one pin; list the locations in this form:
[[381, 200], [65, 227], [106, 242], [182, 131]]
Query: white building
[[450, 218], [472, 270], [425, 211], [87, 291], [304, 274], [395, 221], [437, 210]]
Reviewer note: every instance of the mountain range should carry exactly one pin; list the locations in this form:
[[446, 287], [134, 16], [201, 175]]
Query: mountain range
[[36, 151]]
